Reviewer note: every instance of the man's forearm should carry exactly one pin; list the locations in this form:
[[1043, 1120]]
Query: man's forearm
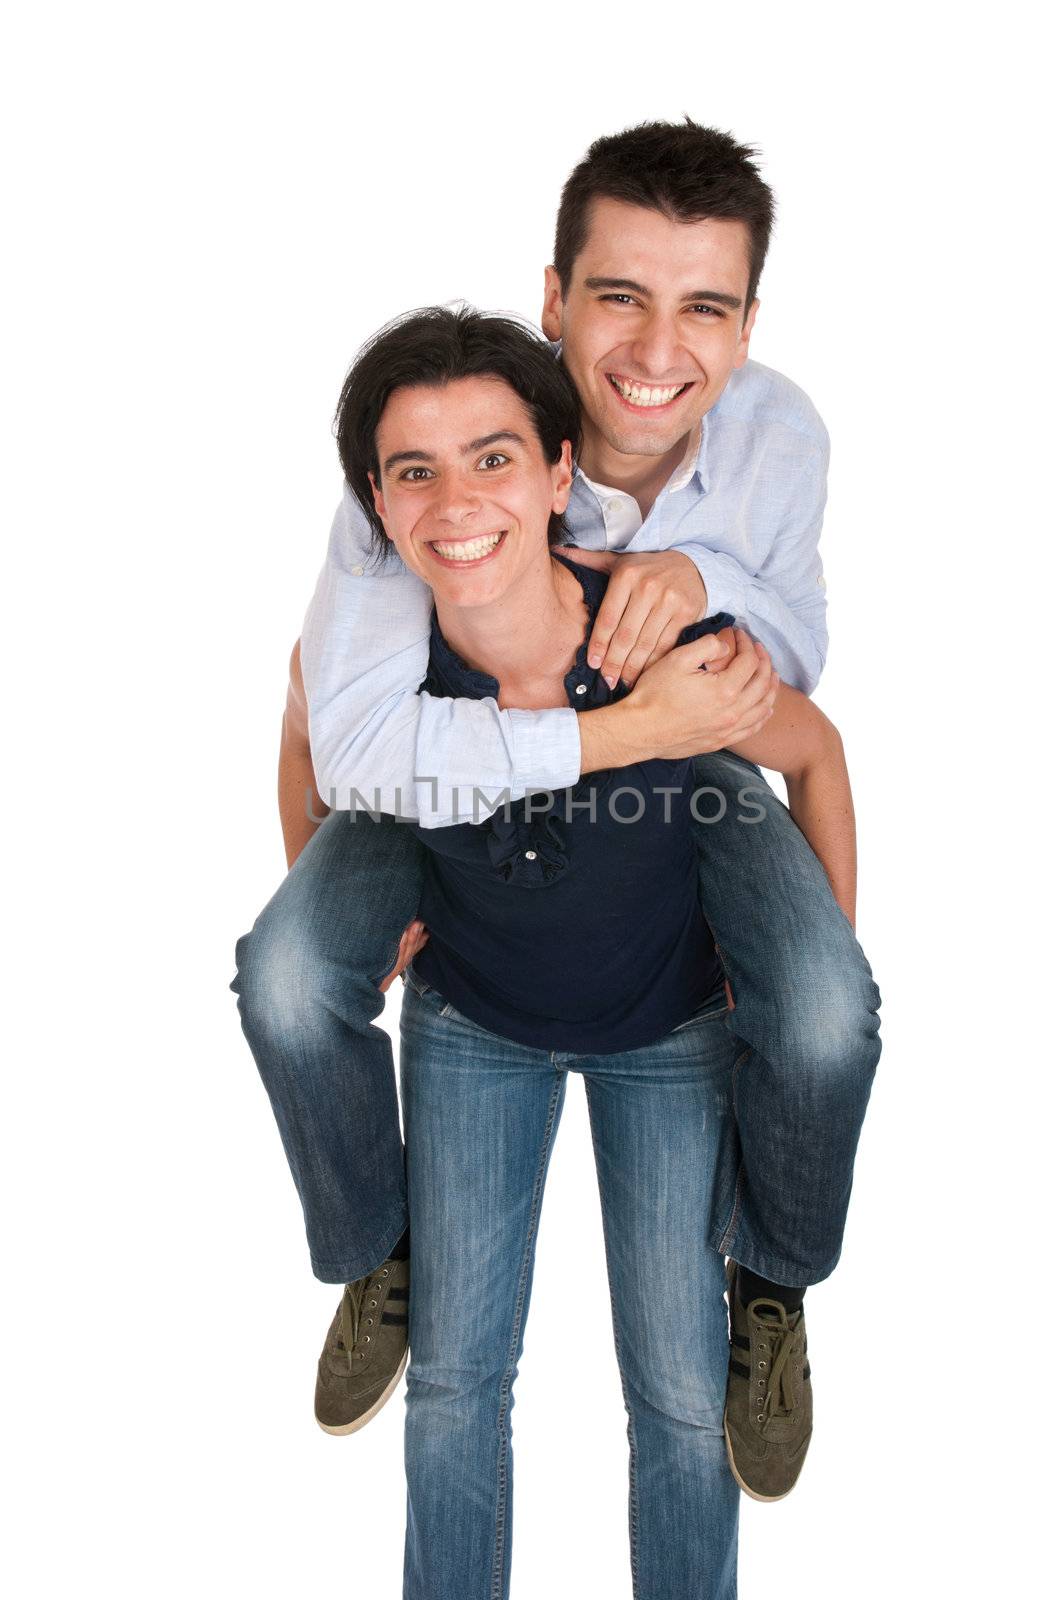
[[612, 736]]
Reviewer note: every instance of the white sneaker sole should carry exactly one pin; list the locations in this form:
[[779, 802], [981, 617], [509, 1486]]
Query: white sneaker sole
[[765, 1499], [378, 1404]]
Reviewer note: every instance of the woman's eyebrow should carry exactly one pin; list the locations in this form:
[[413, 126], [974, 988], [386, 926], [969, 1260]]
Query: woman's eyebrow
[[503, 435], [406, 455]]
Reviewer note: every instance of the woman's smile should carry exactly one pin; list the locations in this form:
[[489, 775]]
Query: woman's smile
[[467, 552]]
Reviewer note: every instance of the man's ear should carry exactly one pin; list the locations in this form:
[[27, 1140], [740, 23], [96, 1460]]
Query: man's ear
[[552, 299], [378, 502], [562, 472], [742, 353]]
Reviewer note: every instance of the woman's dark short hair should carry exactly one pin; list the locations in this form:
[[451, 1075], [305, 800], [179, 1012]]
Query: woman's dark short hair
[[680, 169], [436, 346]]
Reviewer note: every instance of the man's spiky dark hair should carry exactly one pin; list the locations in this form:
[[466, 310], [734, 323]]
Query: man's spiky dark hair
[[681, 169]]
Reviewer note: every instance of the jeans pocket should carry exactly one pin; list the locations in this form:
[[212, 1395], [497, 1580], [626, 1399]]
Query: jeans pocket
[[425, 992], [715, 1006]]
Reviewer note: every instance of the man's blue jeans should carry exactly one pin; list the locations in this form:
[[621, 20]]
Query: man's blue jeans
[[480, 1114], [805, 1001]]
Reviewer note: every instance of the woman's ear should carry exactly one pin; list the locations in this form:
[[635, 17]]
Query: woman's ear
[[378, 502]]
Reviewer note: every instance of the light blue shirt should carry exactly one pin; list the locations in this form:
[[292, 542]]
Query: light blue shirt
[[746, 505]]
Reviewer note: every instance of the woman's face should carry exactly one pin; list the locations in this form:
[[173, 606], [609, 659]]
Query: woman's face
[[465, 492]]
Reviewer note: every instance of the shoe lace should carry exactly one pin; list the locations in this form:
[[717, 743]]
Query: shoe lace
[[350, 1314], [780, 1398], [351, 1307]]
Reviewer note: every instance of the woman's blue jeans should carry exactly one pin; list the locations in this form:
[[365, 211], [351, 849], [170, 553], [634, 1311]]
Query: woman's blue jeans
[[805, 1002], [480, 1114]]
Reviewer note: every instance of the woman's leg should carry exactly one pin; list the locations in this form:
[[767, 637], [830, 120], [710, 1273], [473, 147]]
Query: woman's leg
[[480, 1115], [657, 1119]]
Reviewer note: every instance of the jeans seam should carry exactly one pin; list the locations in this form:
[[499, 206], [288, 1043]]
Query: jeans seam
[[376, 982], [731, 1230], [518, 1312]]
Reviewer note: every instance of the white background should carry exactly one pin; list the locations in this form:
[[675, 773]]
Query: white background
[[209, 208]]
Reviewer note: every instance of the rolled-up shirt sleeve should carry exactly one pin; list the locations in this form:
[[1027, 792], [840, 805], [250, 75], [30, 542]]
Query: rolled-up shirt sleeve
[[377, 744]]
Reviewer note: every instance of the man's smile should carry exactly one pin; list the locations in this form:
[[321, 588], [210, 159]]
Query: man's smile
[[639, 395]]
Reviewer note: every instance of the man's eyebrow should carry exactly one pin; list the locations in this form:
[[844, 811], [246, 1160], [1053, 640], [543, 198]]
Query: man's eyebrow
[[717, 297], [629, 286]]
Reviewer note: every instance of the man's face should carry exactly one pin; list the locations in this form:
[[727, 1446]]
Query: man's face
[[464, 490], [653, 324]]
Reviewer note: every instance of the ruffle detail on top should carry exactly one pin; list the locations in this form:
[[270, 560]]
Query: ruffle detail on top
[[527, 854]]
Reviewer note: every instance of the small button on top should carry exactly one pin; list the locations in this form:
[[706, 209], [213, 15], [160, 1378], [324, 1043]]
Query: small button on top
[[530, 855], [356, 572], [581, 688]]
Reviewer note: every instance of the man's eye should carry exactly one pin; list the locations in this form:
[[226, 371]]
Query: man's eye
[[495, 459], [409, 476], [619, 299], [712, 311]]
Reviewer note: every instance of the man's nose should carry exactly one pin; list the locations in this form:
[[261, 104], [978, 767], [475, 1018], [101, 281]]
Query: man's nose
[[657, 350]]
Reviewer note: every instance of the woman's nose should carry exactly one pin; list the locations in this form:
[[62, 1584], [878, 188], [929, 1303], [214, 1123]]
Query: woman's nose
[[457, 500]]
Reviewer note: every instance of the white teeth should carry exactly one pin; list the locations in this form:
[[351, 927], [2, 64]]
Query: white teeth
[[468, 550], [640, 394]]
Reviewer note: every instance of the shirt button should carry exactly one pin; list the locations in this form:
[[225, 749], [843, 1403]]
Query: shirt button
[[614, 505], [529, 855], [356, 572], [581, 688]]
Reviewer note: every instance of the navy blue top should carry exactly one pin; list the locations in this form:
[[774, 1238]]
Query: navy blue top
[[556, 930]]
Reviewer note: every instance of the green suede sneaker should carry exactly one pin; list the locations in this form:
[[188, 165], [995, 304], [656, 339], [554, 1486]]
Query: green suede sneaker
[[365, 1350], [768, 1419]]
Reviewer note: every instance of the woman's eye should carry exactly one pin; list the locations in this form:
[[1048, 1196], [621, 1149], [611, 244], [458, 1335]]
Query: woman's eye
[[495, 459], [411, 475]]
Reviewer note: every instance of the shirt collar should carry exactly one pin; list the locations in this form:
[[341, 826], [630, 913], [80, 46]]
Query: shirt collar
[[694, 461], [694, 464]]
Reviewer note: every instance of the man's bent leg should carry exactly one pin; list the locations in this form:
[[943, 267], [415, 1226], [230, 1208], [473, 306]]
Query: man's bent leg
[[807, 1005], [307, 980]]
